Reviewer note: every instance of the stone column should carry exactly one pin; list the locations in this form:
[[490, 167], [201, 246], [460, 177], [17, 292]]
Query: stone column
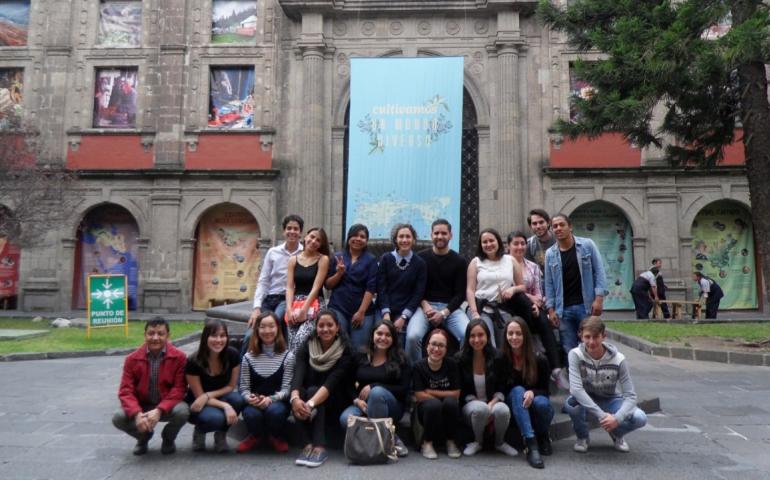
[[162, 290]]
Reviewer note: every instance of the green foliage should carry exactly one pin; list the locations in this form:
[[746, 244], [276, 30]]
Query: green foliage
[[667, 332], [74, 339], [656, 51]]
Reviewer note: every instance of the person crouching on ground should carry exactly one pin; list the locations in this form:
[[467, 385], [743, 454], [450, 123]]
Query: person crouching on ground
[[152, 389], [600, 384], [212, 373]]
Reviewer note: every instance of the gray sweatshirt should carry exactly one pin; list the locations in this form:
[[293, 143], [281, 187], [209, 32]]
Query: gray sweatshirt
[[605, 378]]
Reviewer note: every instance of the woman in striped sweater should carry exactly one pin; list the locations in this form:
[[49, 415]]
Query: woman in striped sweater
[[266, 374]]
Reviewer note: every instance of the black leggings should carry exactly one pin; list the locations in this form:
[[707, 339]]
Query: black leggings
[[520, 305], [439, 418]]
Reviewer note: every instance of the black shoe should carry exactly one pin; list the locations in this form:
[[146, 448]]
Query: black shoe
[[533, 454], [141, 447], [167, 447], [544, 444]]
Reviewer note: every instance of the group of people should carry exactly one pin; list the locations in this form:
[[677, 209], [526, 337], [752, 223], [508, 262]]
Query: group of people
[[393, 337]]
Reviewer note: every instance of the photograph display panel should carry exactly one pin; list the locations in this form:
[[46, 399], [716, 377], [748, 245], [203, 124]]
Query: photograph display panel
[[115, 98], [231, 99], [14, 23], [120, 24], [11, 96], [234, 21]]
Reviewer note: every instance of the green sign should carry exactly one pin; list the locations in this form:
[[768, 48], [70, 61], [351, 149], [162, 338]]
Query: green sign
[[107, 301]]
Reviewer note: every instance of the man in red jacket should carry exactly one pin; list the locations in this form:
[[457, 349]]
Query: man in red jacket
[[152, 389]]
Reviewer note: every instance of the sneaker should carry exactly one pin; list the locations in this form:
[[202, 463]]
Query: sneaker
[[220, 442], [620, 443], [581, 445], [472, 449], [506, 449], [304, 456], [451, 449], [317, 458], [199, 440], [561, 378], [428, 451], [248, 444], [141, 447], [278, 444], [401, 449], [167, 447]]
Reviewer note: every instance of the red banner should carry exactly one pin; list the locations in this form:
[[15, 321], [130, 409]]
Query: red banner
[[9, 268]]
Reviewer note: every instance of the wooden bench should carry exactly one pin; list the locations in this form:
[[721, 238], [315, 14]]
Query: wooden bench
[[678, 309]]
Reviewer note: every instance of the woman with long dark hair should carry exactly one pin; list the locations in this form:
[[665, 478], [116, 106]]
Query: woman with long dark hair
[[528, 375], [481, 389], [266, 373], [212, 373], [353, 282], [383, 377]]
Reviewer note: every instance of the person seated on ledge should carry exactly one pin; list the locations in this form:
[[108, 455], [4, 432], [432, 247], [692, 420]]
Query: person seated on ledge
[[600, 384], [266, 372], [321, 387], [212, 373], [152, 389]]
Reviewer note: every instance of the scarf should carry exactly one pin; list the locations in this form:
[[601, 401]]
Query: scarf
[[324, 361]]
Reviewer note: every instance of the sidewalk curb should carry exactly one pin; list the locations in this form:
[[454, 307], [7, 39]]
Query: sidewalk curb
[[688, 353], [23, 356]]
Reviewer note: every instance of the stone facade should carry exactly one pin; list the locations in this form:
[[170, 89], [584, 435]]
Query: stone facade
[[516, 74]]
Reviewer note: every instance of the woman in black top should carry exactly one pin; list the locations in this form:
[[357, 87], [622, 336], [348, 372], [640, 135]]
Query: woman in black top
[[212, 373], [481, 389], [436, 384], [321, 387], [305, 275], [382, 376], [528, 375]]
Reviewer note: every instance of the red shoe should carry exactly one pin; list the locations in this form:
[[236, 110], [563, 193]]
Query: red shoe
[[248, 444], [280, 446]]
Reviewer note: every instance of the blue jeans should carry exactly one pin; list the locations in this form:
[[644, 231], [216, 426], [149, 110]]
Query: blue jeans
[[280, 311], [637, 418], [213, 419], [359, 336], [535, 419], [270, 421], [419, 325], [569, 324], [380, 404]]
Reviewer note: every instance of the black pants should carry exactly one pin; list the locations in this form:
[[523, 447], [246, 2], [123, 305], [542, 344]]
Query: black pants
[[439, 418], [314, 431], [520, 305], [712, 306], [642, 304]]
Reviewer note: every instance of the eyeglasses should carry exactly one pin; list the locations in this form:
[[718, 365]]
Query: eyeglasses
[[437, 345]]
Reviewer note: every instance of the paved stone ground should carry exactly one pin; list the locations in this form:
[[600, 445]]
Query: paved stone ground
[[715, 424]]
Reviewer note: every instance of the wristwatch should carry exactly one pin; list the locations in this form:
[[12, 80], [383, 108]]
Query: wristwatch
[[311, 404]]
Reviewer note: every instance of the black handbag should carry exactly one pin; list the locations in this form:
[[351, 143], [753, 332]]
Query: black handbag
[[370, 441]]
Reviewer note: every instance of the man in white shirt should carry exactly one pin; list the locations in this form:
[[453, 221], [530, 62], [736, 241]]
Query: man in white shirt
[[710, 293], [270, 294], [644, 292]]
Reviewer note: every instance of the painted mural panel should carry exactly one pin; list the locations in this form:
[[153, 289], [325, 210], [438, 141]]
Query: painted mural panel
[[10, 254], [610, 230], [120, 24], [11, 96], [108, 244], [115, 98], [226, 258], [231, 99], [234, 21], [723, 249], [14, 23], [579, 90]]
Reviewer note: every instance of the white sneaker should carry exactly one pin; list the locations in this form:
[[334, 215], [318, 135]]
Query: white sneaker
[[506, 449], [472, 449], [561, 378], [428, 451], [451, 449], [620, 444], [581, 446]]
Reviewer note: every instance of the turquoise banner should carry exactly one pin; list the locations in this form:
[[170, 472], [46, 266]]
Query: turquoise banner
[[405, 138]]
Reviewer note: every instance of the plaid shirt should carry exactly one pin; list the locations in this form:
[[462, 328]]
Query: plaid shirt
[[155, 361]]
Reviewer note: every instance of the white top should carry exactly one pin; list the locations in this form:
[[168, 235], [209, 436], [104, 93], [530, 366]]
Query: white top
[[480, 382], [272, 276], [492, 276], [705, 287], [649, 276]]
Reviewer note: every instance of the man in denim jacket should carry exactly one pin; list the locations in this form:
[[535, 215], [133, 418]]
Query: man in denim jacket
[[575, 283]]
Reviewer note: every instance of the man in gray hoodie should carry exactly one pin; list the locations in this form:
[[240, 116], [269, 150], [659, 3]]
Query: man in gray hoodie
[[600, 385]]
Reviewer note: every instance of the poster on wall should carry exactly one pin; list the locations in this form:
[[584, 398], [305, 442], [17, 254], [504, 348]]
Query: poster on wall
[[579, 89], [11, 88], [227, 257], [108, 245], [234, 21], [608, 227], [115, 98], [120, 24], [10, 255], [231, 101], [405, 128], [723, 249], [14, 23]]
